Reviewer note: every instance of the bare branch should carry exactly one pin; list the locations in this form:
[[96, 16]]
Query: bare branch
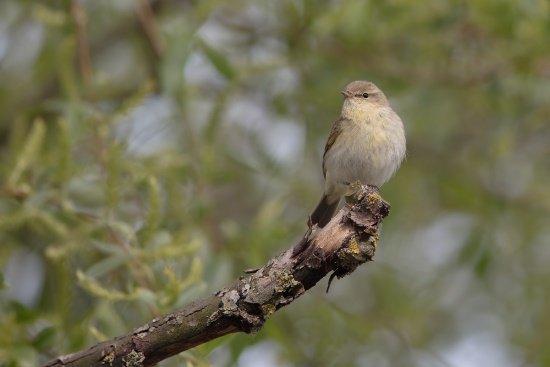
[[345, 243], [82, 36], [149, 24]]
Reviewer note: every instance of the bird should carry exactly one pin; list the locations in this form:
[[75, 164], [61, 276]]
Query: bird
[[367, 144]]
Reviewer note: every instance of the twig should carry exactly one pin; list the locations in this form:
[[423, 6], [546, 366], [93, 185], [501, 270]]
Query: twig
[[136, 265], [82, 38], [149, 24]]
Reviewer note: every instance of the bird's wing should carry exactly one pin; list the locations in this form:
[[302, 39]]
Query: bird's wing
[[334, 133]]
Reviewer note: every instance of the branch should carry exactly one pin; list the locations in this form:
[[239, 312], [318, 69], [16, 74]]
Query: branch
[[346, 242], [149, 24], [82, 36]]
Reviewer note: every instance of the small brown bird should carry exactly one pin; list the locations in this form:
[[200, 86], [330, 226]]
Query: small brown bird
[[366, 144]]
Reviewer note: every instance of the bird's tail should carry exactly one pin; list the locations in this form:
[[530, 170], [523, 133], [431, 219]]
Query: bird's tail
[[324, 211]]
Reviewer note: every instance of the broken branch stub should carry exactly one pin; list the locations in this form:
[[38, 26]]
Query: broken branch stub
[[348, 241]]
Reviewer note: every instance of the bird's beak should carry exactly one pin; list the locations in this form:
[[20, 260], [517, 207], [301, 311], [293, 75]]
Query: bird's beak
[[347, 93]]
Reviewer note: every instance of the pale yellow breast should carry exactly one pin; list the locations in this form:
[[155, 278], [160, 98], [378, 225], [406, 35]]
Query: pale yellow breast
[[369, 149]]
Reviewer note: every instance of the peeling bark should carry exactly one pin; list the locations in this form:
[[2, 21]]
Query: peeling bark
[[348, 241]]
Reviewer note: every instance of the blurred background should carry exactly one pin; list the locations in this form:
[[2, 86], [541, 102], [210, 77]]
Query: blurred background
[[152, 150]]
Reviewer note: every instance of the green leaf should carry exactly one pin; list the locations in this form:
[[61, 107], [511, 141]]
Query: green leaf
[[153, 214], [23, 314], [65, 158], [98, 290], [219, 61], [45, 338], [29, 151], [206, 348], [114, 163], [106, 265]]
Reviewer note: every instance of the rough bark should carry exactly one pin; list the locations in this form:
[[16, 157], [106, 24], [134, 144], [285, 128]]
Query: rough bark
[[345, 243]]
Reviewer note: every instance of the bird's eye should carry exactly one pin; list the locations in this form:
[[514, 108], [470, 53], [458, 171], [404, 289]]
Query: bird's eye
[[365, 95]]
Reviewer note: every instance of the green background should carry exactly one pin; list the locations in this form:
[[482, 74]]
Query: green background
[[151, 151]]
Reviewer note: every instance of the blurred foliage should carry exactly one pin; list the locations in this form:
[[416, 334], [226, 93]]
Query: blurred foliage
[[150, 151]]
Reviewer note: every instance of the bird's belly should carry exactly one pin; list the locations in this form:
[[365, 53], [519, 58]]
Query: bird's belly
[[373, 162]]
